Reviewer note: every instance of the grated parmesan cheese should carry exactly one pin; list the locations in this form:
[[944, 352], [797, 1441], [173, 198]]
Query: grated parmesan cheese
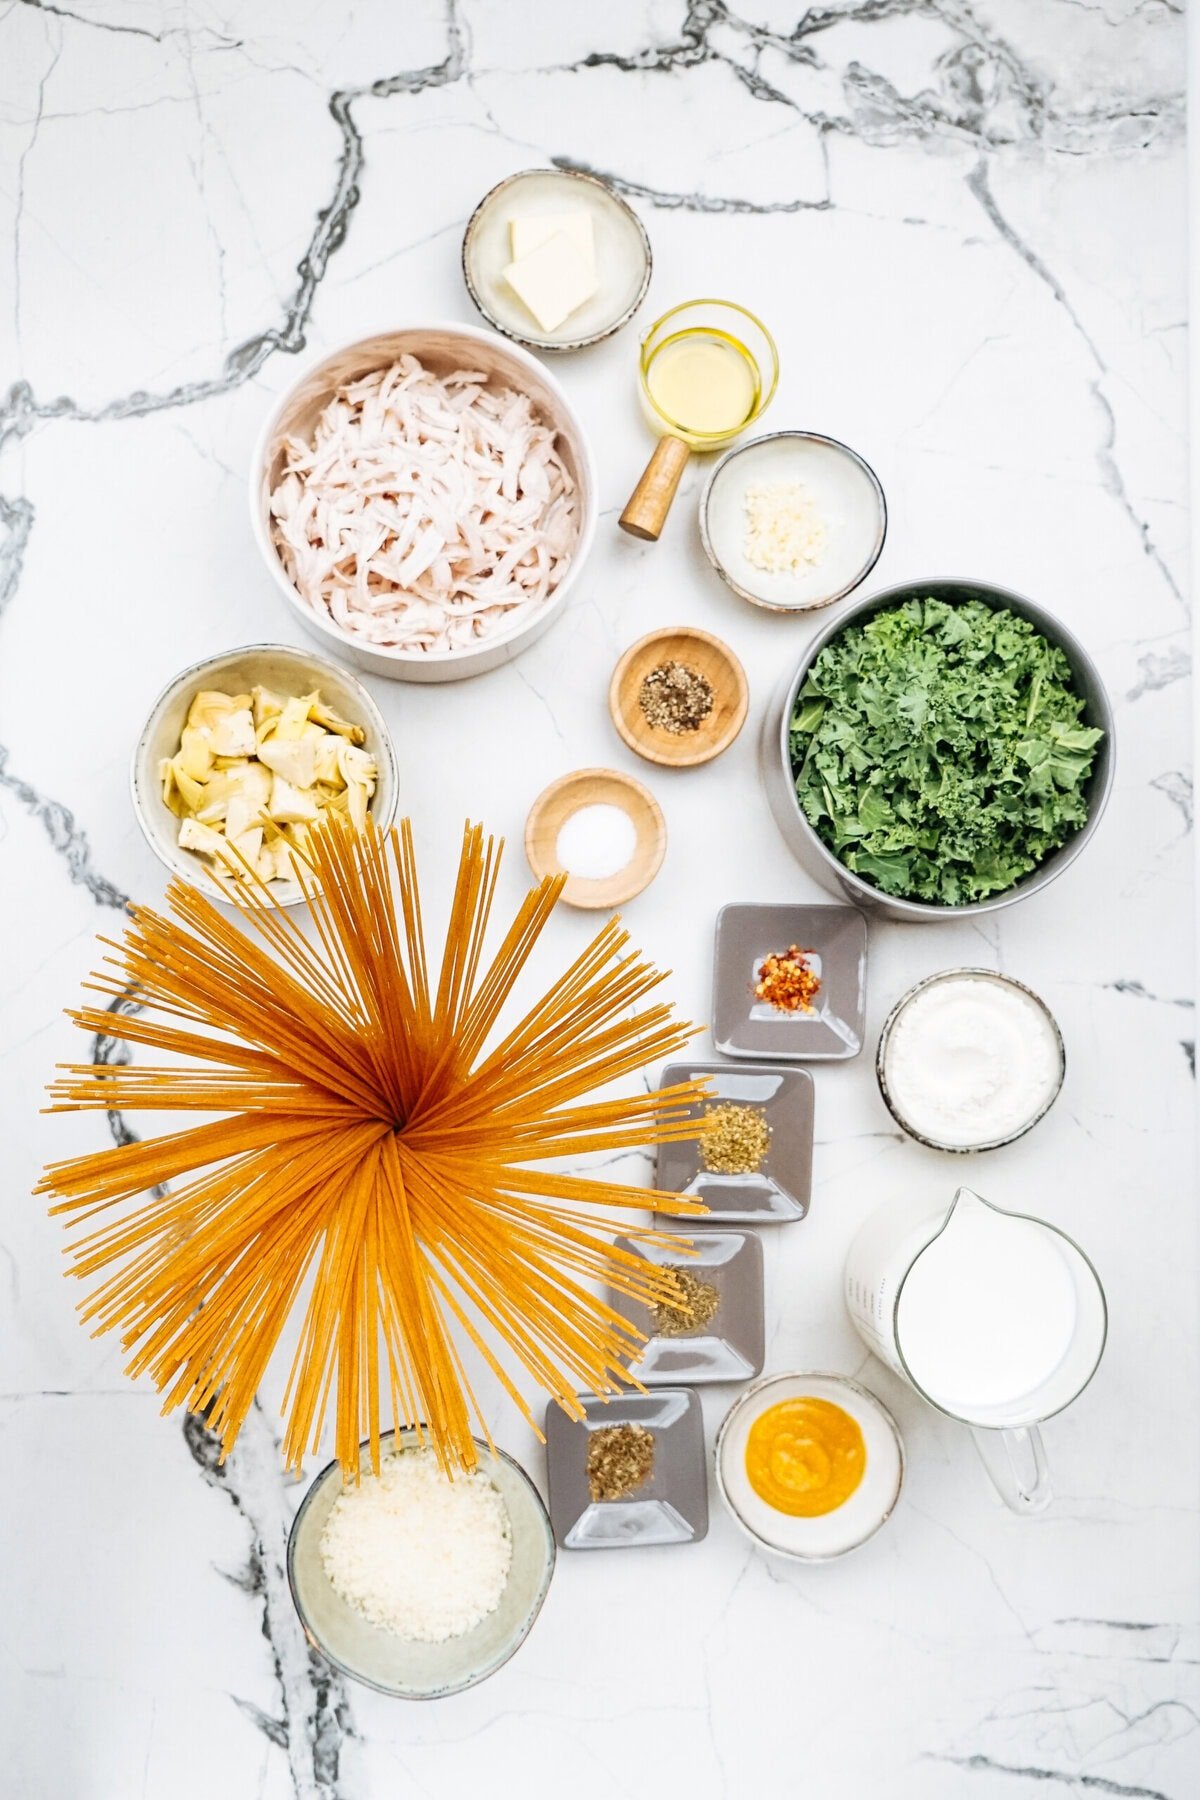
[[416, 1553], [785, 534]]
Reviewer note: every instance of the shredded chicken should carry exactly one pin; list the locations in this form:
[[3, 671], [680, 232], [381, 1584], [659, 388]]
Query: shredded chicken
[[428, 509]]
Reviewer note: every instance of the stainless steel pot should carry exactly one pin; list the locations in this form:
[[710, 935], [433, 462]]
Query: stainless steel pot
[[776, 760]]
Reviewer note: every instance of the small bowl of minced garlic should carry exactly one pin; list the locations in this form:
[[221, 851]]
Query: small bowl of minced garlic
[[793, 520], [241, 756]]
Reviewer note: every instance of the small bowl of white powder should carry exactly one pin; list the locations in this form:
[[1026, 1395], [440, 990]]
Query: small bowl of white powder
[[601, 829], [969, 1060], [416, 1584]]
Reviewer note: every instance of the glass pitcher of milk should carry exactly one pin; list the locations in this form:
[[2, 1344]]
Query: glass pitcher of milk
[[996, 1319]]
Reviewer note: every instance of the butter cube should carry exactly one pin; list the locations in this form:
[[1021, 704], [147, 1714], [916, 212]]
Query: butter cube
[[529, 232], [553, 281]]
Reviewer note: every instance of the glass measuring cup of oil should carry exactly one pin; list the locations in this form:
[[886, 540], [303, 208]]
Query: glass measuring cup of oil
[[707, 370]]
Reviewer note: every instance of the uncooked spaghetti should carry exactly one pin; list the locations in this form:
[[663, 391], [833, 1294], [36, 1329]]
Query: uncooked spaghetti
[[376, 1134]]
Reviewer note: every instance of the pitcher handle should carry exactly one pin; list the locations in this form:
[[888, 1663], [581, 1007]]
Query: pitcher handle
[[1016, 1462]]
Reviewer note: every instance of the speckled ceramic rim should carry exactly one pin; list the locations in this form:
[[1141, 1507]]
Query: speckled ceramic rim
[[805, 437], [184, 864], [554, 345], [406, 1439], [760, 1387], [963, 975], [1086, 680]]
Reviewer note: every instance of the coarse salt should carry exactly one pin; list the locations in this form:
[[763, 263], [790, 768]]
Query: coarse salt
[[416, 1553]]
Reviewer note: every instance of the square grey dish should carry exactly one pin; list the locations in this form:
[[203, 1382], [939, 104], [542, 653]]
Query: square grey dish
[[780, 1188], [732, 1345], [743, 1025], [672, 1505]]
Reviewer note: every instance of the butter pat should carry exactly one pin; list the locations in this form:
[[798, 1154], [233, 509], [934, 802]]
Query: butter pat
[[553, 281], [528, 233]]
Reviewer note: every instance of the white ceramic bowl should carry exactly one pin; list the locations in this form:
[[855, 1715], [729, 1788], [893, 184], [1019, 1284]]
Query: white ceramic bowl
[[623, 259], [828, 1535], [442, 348], [845, 492], [396, 1665], [276, 666]]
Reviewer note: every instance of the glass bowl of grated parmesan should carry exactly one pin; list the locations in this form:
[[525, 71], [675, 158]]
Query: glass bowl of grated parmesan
[[416, 1585]]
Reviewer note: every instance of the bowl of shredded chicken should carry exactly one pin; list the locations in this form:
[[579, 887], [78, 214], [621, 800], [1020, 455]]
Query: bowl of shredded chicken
[[425, 499], [243, 755]]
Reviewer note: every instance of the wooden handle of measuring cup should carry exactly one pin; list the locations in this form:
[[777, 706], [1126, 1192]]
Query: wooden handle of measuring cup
[[650, 502]]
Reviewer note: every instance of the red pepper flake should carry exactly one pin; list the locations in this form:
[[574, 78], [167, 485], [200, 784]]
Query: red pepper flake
[[787, 982]]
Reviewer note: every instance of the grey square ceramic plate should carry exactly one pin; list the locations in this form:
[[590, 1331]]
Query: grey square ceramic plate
[[732, 1345], [742, 1025], [672, 1505], [781, 1187]]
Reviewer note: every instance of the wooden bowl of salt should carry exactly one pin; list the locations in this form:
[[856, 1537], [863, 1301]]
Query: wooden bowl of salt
[[603, 829]]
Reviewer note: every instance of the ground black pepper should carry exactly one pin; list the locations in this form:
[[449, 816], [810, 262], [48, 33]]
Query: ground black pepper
[[675, 698]]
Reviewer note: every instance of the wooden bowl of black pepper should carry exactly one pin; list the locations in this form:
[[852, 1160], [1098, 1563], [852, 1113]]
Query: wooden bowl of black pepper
[[679, 697]]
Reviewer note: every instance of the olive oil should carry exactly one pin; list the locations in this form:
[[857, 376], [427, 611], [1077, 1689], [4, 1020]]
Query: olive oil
[[704, 381]]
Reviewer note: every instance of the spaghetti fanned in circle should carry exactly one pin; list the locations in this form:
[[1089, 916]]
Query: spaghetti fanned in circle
[[375, 1144]]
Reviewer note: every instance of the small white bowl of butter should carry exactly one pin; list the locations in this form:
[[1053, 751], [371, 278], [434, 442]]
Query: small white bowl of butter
[[556, 259], [793, 520]]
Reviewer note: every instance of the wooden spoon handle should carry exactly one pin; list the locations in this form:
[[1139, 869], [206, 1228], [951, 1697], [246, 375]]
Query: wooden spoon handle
[[650, 502]]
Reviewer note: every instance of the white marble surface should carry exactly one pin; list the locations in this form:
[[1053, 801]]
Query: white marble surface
[[965, 223]]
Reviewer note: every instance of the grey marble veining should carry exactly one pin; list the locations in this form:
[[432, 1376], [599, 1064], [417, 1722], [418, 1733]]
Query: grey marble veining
[[964, 223]]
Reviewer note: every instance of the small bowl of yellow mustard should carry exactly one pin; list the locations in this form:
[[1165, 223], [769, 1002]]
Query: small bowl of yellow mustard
[[809, 1465]]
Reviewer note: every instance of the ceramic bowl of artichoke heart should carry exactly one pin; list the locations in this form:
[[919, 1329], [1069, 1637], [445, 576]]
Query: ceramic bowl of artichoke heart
[[240, 758]]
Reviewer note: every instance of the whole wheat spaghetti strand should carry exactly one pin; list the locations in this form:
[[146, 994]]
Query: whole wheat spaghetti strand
[[370, 1132]]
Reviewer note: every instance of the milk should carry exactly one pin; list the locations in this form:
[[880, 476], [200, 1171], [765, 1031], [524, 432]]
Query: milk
[[987, 1313]]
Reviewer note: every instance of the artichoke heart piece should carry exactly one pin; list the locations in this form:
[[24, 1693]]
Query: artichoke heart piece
[[357, 765], [243, 779], [181, 792], [283, 859], [324, 715], [266, 707], [243, 814], [209, 707], [234, 735], [247, 844], [289, 806], [195, 756], [293, 758], [358, 796], [329, 772], [294, 717], [195, 836]]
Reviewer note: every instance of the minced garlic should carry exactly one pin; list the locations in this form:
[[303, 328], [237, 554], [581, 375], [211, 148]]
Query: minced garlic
[[785, 533]]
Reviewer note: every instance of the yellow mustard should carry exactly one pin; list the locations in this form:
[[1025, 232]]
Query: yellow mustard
[[805, 1456]]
